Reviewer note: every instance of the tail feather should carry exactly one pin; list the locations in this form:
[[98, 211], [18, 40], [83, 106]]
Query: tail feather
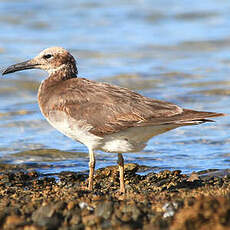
[[197, 117]]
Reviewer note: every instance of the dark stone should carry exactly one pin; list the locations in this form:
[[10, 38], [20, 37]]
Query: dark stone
[[104, 209], [47, 216]]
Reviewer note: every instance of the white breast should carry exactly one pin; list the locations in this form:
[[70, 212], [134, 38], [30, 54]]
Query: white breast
[[77, 130]]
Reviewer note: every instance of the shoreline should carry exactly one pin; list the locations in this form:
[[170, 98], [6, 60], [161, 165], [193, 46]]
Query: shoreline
[[165, 200]]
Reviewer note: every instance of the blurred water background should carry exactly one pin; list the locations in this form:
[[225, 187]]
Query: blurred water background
[[178, 51]]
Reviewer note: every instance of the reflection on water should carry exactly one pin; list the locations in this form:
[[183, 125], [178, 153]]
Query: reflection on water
[[178, 54]]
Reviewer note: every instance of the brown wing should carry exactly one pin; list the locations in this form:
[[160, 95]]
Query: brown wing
[[109, 109]]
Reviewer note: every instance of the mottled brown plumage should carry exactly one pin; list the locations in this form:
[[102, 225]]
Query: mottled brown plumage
[[100, 115], [110, 109]]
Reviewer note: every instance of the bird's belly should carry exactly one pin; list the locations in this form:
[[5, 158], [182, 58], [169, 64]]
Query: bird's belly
[[77, 130], [129, 140], [132, 139]]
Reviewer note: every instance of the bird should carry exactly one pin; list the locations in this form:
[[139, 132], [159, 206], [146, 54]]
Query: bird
[[100, 115]]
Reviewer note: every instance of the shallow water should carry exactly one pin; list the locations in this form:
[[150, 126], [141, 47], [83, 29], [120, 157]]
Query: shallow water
[[176, 53]]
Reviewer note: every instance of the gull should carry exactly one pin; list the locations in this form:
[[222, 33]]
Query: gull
[[100, 115]]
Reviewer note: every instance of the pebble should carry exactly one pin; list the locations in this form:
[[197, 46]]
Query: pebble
[[165, 200], [46, 216], [104, 209]]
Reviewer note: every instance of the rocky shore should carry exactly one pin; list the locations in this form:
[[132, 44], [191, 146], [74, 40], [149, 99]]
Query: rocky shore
[[166, 200]]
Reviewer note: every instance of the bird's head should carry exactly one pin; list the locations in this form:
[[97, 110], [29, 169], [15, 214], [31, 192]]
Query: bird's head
[[51, 60]]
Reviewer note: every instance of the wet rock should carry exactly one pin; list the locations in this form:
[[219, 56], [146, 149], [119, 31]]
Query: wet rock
[[12, 222], [129, 213], [47, 216], [71, 205], [91, 220], [205, 213], [72, 177], [32, 227], [165, 200], [104, 209], [84, 205], [131, 168], [193, 177], [170, 209], [75, 220]]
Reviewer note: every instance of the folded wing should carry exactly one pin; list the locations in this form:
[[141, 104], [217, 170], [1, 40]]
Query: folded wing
[[109, 109]]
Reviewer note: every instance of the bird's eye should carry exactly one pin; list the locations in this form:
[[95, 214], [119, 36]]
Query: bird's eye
[[47, 56]]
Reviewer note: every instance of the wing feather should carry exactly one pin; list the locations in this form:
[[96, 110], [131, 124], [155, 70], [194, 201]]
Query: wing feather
[[109, 109]]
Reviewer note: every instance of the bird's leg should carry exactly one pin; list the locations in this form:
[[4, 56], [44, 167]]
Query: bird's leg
[[120, 162], [91, 169]]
